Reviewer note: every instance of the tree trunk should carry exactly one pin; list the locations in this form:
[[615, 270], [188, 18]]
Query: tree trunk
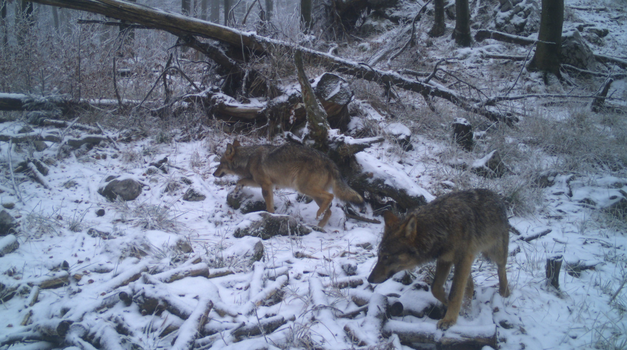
[[214, 15], [305, 14], [227, 10], [438, 25], [316, 115], [461, 34], [186, 7], [269, 10], [548, 48]]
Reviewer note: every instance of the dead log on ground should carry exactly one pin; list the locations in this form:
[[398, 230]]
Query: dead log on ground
[[458, 338], [192, 327], [182, 272], [264, 326], [504, 37], [264, 295]]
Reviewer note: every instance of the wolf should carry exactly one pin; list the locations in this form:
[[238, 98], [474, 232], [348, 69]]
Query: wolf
[[304, 169], [452, 229]]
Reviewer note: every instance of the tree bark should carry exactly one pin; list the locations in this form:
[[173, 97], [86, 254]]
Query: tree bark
[[461, 34], [215, 11], [438, 25], [227, 11], [548, 48], [305, 14], [269, 10], [316, 115]]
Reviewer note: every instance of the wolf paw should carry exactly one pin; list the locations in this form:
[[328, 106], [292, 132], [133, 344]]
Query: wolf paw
[[445, 324]]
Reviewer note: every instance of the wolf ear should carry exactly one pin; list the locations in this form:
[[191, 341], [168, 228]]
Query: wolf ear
[[390, 219], [411, 228], [230, 151]]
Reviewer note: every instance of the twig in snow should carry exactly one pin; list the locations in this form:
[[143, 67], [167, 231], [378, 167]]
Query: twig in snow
[[536, 236]]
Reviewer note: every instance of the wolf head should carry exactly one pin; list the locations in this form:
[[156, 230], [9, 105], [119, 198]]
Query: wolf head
[[398, 250], [226, 162]]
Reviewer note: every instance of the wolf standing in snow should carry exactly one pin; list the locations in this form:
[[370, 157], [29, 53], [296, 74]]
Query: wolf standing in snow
[[304, 169], [452, 230]]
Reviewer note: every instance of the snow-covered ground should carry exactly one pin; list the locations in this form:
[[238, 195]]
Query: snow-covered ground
[[139, 238]]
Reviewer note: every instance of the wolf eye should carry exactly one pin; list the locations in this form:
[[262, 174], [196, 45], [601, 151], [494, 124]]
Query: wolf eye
[[385, 257]]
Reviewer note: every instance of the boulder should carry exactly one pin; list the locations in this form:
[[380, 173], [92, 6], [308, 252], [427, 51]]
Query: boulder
[[576, 52], [245, 200], [193, 195], [7, 223], [518, 17], [271, 225], [401, 134], [127, 189]]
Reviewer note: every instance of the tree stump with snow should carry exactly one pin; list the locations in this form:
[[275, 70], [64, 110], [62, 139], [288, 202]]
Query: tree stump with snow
[[463, 134]]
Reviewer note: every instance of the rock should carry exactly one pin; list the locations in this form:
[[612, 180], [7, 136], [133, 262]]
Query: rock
[[8, 244], [272, 225], [462, 134], [546, 179], [9, 205], [183, 246], [490, 166], [401, 134], [349, 269], [518, 17], [40, 146], [7, 223], [98, 234], [246, 201], [618, 209], [258, 252], [127, 189], [576, 52], [193, 195], [152, 170], [100, 212]]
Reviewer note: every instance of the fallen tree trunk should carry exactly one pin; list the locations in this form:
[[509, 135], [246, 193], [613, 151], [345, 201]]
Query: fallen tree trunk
[[183, 26]]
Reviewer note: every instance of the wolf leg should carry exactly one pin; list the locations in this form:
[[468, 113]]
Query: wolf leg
[[442, 269], [460, 278], [323, 199], [266, 192], [503, 286]]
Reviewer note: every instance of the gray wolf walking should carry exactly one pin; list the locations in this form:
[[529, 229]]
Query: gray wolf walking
[[452, 230], [304, 169]]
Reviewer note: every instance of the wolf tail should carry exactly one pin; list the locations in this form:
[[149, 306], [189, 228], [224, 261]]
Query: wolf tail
[[344, 192]]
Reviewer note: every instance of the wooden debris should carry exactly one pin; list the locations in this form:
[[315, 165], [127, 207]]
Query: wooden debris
[[56, 280], [457, 338], [536, 235], [553, 267], [8, 244], [191, 328], [182, 272], [65, 124], [264, 326], [126, 277], [350, 282], [33, 296], [219, 272], [264, 295]]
